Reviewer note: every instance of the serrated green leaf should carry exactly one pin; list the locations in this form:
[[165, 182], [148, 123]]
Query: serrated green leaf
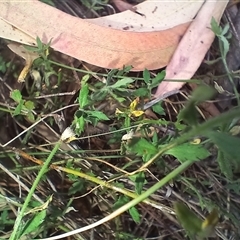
[[188, 152], [228, 144], [83, 96], [143, 147], [134, 214], [16, 95], [122, 82], [33, 224]]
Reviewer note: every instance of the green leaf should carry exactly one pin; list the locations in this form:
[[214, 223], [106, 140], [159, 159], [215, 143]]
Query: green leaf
[[225, 45], [134, 214], [83, 95], [158, 79], [99, 115], [80, 124], [33, 224], [146, 76], [188, 219], [188, 114], [30, 116], [18, 108], [39, 43], [215, 27], [188, 152], [139, 180], [142, 147], [157, 108], [228, 144], [122, 82], [16, 95], [29, 105], [120, 202], [225, 29], [202, 93], [141, 92]]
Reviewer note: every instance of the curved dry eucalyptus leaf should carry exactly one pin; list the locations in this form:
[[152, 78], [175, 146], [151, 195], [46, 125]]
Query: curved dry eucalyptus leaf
[[192, 48]]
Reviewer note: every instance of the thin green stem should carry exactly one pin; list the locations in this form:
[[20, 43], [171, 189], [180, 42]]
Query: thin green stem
[[229, 74], [130, 204], [16, 231], [198, 130]]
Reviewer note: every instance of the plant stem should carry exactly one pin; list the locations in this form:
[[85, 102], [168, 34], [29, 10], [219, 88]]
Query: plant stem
[[228, 72], [198, 130], [130, 204], [16, 232]]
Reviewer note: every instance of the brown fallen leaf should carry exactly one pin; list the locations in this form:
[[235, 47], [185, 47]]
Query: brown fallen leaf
[[103, 46], [192, 48]]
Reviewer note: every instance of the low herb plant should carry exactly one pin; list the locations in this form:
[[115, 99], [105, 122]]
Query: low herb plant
[[146, 161]]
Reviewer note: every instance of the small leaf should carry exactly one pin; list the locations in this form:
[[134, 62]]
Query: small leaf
[[188, 219], [225, 29], [202, 93], [225, 45], [33, 224], [158, 79], [188, 152], [16, 95], [18, 108], [99, 115], [120, 202], [215, 27], [134, 214], [146, 76], [142, 147], [29, 105], [140, 180], [122, 82], [157, 108], [226, 143], [83, 95], [80, 124]]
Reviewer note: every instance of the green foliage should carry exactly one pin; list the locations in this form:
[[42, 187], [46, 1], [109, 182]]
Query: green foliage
[[189, 113], [83, 115], [23, 107], [229, 151], [194, 226], [93, 4], [132, 211], [189, 152]]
